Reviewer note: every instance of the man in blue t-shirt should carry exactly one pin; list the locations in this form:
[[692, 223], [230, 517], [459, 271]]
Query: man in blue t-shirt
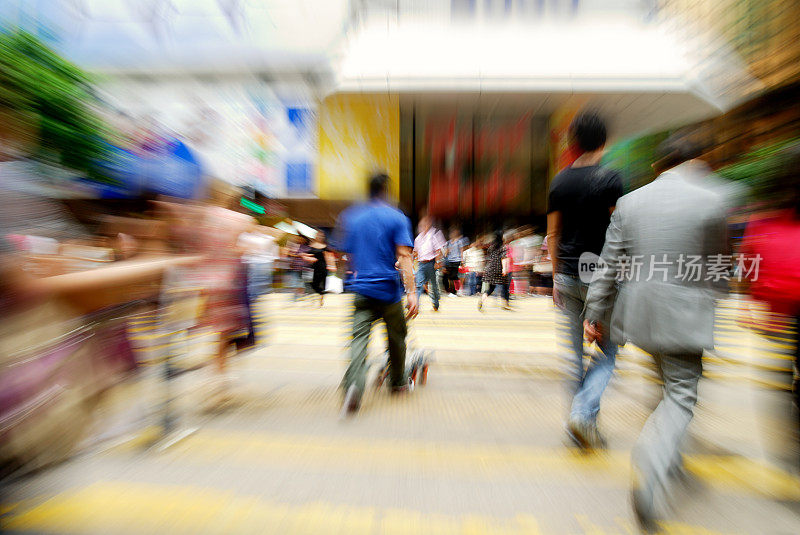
[[377, 240]]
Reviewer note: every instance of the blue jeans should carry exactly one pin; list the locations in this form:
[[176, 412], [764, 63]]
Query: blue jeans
[[588, 382], [470, 281], [427, 273], [259, 279], [295, 282]]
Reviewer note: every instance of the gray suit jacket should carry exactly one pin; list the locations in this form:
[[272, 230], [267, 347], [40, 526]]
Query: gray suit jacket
[[662, 274]]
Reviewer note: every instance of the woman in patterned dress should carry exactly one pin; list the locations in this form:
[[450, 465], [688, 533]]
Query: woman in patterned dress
[[496, 271]]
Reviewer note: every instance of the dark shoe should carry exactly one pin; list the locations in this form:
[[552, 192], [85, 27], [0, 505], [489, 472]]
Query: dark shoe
[[579, 432], [352, 402], [598, 440], [644, 512], [585, 434], [573, 440], [403, 389], [436, 308]]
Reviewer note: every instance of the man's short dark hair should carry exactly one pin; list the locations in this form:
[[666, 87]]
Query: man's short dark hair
[[588, 130], [378, 185], [679, 147]]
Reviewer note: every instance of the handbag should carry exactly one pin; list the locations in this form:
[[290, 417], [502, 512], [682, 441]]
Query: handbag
[[333, 284]]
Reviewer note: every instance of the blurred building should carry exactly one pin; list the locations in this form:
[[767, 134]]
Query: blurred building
[[763, 36], [467, 102]]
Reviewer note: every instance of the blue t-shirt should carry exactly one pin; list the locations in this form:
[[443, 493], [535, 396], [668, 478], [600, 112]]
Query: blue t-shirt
[[372, 232]]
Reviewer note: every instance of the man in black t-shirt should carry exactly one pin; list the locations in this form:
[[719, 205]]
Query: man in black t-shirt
[[581, 200]]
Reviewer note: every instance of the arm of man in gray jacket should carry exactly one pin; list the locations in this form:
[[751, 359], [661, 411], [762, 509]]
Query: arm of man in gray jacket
[[716, 242], [603, 289]]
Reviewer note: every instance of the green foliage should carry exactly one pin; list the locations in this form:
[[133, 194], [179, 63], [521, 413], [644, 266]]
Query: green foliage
[[53, 94], [762, 168], [633, 158], [761, 171]]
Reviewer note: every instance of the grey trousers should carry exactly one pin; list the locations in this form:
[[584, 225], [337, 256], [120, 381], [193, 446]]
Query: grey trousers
[[656, 456]]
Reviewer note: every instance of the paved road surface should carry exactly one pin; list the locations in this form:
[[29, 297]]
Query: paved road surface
[[479, 450]]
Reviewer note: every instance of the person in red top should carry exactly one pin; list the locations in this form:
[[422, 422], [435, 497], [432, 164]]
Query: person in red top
[[773, 264]]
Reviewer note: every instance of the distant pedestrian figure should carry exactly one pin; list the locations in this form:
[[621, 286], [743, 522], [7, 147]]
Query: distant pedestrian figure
[[474, 260], [323, 262], [453, 256], [428, 248], [496, 271], [299, 266]]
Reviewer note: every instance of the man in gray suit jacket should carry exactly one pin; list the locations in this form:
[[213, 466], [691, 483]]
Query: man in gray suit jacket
[[662, 266]]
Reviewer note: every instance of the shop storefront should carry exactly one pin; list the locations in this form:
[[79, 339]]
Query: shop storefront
[[474, 167]]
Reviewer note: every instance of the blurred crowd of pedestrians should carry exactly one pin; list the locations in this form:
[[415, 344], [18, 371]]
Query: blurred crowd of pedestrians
[[646, 267]]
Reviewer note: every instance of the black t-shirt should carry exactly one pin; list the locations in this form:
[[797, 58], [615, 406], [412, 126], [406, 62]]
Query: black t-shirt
[[584, 196]]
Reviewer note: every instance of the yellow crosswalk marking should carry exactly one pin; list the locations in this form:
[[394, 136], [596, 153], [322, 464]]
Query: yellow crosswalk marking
[[611, 468], [128, 508], [740, 355]]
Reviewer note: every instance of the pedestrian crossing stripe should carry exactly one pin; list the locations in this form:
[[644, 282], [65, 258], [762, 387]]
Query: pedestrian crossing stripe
[[122, 507], [728, 473], [739, 355]]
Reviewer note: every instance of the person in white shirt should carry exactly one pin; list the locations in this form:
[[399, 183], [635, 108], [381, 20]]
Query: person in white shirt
[[474, 260], [524, 249], [259, 251], [428, 250]]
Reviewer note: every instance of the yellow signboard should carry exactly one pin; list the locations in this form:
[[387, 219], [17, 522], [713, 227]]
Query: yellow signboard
[[358, 135]]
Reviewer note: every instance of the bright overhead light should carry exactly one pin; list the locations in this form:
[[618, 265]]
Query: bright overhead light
[[541, 57]]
